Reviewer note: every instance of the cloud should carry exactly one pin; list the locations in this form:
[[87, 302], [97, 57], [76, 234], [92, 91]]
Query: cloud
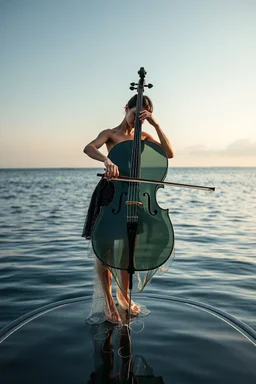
[[238, 148]]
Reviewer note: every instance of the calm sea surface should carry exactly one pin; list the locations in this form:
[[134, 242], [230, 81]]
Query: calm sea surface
[[44, 259]]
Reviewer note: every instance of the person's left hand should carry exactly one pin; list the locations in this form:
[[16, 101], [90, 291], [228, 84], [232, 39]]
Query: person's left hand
[[146, 115]]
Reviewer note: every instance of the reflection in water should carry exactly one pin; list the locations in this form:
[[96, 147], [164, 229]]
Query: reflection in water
[[113, 359]]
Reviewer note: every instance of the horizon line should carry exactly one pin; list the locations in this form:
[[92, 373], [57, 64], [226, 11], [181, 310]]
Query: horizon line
[[183, 166]]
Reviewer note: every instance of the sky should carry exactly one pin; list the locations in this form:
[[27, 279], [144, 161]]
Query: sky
[[66, 68]]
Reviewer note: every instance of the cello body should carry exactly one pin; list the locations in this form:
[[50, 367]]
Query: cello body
[[154, 236]]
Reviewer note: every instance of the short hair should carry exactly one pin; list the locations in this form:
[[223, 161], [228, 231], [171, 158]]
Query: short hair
[[146, 103]]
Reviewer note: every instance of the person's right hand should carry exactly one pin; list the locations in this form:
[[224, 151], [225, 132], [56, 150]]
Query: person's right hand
[[111, 169]]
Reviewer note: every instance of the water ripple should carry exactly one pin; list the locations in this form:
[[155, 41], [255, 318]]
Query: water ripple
[[44, 259]]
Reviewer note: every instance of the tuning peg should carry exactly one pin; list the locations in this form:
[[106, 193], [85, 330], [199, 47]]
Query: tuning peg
[[133, 84], [132, 88], [149, 85]]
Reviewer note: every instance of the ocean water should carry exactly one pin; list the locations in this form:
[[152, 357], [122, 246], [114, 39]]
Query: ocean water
[[44, 259]]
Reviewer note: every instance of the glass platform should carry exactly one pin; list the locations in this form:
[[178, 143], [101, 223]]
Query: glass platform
[[180, 341]]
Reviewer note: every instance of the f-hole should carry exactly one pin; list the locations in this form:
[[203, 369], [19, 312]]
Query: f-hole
[[120, 203], [149, 207]]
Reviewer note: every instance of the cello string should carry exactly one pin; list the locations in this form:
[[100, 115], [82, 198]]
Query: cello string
[[138, 146], [134, 158], [131, 188], [132, 171], [136, 152]]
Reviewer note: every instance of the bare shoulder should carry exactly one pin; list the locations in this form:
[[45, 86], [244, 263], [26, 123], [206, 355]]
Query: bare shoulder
[[144, 135], [105, 132], [148, 137], [105, 135], [108, 132], [102, 138]]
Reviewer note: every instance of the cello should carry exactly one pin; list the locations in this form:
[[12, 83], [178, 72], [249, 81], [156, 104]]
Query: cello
[[133, 233]]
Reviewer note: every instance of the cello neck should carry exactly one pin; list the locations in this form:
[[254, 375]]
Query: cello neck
[[136, 149]]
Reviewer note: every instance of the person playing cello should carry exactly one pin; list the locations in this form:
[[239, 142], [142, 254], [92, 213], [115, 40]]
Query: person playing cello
[[104, 191]]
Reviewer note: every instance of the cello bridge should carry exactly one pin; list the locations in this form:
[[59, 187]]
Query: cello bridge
[[138, 203]]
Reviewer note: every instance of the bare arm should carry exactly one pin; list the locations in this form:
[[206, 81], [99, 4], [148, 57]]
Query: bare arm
[[164, 141], [92, 150]]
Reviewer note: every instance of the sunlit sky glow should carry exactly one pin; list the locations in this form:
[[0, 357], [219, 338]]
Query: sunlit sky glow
[[66, 66]]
